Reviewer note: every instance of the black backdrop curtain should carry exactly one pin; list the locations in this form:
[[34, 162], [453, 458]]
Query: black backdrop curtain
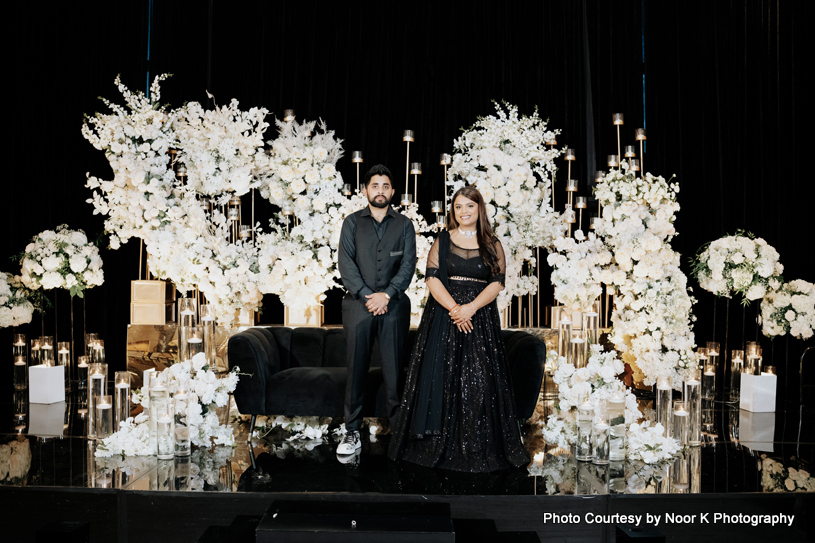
[[718, 86]]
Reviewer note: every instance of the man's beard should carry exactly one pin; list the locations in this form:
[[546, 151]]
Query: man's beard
[[380, 205]]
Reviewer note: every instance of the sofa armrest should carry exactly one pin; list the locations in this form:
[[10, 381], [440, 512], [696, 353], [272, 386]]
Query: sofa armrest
[[526, 355], [256, 352]]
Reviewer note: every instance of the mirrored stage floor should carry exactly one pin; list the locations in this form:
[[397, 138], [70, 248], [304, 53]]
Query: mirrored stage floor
[[743, 453]]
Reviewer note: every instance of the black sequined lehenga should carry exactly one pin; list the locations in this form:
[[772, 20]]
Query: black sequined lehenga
[[458, 410]]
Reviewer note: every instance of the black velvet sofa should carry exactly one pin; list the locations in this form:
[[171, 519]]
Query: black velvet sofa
[[302, 372]]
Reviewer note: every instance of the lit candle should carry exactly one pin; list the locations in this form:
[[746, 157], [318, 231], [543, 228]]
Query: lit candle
[[19, 361], [356, 157], [617, 118], [768, 370]]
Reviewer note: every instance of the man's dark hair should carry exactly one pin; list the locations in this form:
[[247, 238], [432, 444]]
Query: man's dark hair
[[379, 169]]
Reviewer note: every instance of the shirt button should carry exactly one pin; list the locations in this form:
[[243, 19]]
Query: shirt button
[[379, 260]]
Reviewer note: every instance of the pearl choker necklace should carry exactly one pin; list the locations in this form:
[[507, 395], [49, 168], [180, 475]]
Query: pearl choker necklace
[[468, 234]]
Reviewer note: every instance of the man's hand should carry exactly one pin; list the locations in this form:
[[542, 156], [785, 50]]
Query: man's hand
[[377, 303]]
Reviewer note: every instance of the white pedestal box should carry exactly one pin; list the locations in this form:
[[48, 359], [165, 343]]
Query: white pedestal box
[[758, 393], [46, 384], [756, 430], [47, 419]]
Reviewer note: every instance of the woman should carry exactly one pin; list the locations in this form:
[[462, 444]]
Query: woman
[[458, 411]]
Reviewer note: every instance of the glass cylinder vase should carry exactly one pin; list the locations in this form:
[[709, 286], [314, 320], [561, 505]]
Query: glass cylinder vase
[[34, 358], [680, 433], [20, 373], [600, 439], [161, 418], [208, 324], [18, 346], [664, 404], [82, 372], [64, 360], [585, 417], [736, 369], [578, 347], [103, 416], [616, 420], [195, 341], [122, 385], [693, 399], [565, 335], [97, 375], [591, 326], [182, 430], [47, 350]]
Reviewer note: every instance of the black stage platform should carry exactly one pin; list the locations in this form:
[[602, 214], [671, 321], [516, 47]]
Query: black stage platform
[[222, 494]]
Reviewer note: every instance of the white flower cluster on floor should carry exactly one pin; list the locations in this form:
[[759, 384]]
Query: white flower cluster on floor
[[789, 310], [15, 301], [62, 259], [596, 383], [740, 264], [506, 159], [204, 390]]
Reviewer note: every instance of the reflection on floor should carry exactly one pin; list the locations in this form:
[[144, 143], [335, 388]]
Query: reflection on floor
[[743, 452]]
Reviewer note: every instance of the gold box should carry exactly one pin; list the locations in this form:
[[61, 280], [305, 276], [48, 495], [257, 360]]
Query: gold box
[[151, 313], [313, 316], [152, 291]]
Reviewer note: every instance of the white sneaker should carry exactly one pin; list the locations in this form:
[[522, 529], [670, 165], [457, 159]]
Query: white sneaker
[[349, 443]]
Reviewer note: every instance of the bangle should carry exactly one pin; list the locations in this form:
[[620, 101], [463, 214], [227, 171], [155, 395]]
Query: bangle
[[452, 308]]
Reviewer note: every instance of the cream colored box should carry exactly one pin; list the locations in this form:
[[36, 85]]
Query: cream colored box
[[152, 291], [151, 313]]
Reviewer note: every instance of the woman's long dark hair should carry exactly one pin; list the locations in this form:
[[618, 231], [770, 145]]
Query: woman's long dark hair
[[484, 234]]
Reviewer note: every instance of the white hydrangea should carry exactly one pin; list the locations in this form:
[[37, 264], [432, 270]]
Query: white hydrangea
[[791, 309]]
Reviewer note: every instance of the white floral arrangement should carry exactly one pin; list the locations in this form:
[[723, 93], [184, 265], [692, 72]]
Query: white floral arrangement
[[653, 307], [185, 242], [505, 157], [15, 461], [789, 310], [205, 391], [135, 140], [15, 301], [218, 147], [596, 383], [62, 259], [775, 477], [741, 264], [579, 265], [300, 264]]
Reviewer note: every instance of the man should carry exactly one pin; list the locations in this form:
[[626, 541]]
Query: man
[[377, 261]]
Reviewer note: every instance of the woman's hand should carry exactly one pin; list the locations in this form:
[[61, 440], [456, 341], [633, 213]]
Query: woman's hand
[[465, 313], [466, 327]]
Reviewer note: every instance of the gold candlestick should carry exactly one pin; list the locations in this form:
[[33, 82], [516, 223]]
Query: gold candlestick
[[407, 136], [356, 158], [640, 137], [617, 119], [445, 160], [416, 171]]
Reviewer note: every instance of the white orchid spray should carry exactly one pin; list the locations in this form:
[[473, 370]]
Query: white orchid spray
[[187, 237], [505, 157]]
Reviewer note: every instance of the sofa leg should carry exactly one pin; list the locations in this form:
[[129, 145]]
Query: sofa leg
[[251, 428]]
